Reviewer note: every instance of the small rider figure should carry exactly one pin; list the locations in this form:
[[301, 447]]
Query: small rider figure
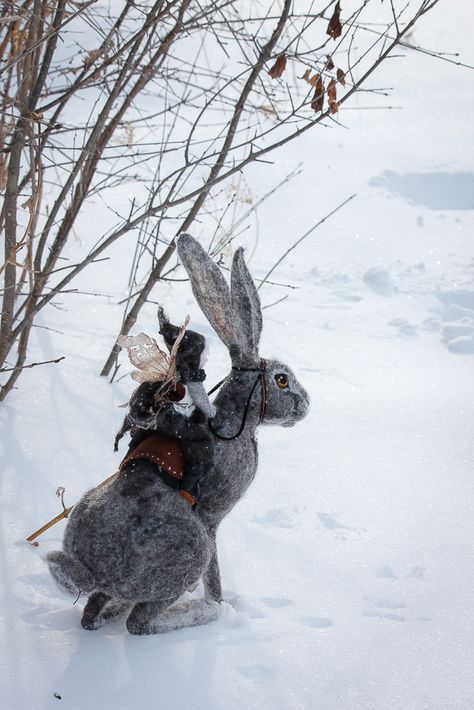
[[152, 410]]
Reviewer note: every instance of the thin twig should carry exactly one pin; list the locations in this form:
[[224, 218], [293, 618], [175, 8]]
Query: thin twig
[[64, 514], [32, 364], [305, 235]]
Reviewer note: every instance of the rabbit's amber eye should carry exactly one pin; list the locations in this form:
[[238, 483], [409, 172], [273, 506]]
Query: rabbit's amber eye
[[282, 380]]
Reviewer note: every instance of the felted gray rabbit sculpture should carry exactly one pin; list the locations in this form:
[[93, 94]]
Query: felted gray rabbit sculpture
[[129, 555]]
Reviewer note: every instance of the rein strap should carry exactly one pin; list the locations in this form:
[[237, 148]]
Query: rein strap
[[263, 405]]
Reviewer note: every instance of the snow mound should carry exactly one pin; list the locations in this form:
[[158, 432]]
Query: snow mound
[[435, 190], [458, 317], [379, 282]]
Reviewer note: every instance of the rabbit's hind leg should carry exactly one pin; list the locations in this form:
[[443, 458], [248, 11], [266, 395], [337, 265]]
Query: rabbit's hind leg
[[194, 612]]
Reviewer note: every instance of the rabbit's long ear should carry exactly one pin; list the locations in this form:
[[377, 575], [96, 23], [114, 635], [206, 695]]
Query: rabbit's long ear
[[209, 287], [247, 314]]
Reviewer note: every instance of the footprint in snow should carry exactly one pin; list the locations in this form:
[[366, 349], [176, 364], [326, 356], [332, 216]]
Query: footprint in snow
[[317, 622], [390, 609], [276, 602], [404, 327], [457, 334], [379, 282], [380, 614], [387, 604], [330, 522], [416, 572], [385, 609], [278, 518], [348, 296], [386, 572], [246, 606]]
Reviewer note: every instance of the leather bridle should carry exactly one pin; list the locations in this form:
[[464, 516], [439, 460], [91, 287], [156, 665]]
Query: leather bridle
[[261, 369]]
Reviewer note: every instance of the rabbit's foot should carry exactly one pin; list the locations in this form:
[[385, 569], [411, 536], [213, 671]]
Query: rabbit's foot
[[91, 618], [100, 609], [92, 624], [194, 612], [139, 619]]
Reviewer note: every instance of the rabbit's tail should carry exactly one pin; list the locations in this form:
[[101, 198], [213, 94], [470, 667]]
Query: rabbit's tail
[[69, 573]]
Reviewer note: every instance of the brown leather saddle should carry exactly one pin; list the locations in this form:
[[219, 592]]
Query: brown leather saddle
[[164, 452]]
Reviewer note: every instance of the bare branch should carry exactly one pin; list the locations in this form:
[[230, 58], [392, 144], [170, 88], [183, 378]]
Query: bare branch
[[32, 364]]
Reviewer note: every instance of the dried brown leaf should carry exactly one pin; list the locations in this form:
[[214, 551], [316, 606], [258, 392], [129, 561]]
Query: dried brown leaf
[[93, 56], [329, 63], [30, 203], [278, 68], [331, 92], [311, 80], [318, 99], [341, 77], [334, 29]]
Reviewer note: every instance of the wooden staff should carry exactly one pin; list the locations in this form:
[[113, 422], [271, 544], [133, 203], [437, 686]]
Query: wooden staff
[[65, 511]]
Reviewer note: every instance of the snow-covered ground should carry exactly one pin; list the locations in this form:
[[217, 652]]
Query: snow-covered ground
[[349, 564]]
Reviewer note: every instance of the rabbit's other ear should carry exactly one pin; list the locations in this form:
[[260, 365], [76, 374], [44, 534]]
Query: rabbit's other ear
[[247, 314], [169, 331], [163, 319], [209, 287]]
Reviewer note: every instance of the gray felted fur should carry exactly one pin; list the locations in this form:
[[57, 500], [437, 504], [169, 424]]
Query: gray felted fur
[[142, 555]]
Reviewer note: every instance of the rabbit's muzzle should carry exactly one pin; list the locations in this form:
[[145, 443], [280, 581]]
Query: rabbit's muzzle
[[299, 411]]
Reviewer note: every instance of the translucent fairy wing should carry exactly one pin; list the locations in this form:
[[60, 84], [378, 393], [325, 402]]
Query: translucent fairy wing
[[152, 363], [142, 376]]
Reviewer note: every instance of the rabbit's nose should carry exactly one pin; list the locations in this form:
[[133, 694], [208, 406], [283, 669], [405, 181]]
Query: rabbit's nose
[[301, 409]]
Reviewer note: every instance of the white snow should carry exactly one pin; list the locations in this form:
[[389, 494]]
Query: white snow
[[348, 567]]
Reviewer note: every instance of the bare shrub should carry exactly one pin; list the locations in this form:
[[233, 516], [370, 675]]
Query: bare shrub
[[173, 99]]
